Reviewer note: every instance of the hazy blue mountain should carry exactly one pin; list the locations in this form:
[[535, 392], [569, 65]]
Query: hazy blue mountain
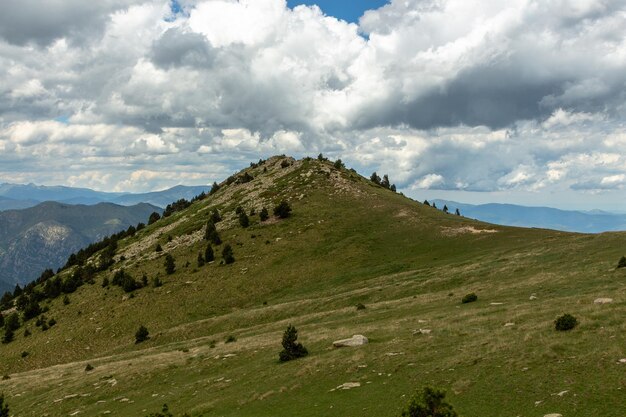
[[43, 236], [17, 196], [595, 221]]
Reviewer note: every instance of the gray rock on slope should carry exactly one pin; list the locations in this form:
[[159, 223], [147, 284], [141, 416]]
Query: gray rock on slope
[[356, 340]]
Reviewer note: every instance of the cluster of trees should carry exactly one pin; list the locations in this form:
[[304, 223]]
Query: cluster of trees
[[445, 207], [383, 182]]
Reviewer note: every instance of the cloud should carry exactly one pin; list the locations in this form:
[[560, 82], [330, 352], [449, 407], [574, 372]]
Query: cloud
[[513, 96]]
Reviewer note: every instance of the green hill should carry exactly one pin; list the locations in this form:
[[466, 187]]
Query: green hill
[[348, 241]]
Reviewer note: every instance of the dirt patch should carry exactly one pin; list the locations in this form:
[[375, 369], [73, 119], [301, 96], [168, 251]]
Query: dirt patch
[[455, 231]]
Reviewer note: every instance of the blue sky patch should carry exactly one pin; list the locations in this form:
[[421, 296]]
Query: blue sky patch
[[349, 10]]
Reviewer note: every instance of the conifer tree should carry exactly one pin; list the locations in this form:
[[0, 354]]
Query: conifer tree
[[211, 234], [244, 221], [170, 265], [291, 348], [264, 215], [227, 255], [209, 256]]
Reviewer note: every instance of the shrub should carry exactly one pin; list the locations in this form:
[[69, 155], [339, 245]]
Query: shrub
[[429, 403], [227, 255], [469, 298], [12, 321], [230, 339], [27, 333], [284, 164], [200, 260], [52, 322], [360, 306], [170, 265], [264, 215], [565, 322], [282, 210], [165, 412], [142, 334], [622, 262], [338, 164], [88, 368], [105, 282], [156, 282], [24, 354], [66, 300], [4, 407], [291, 349], [158, 248], [215, 216], [8, 335], [244, 221]]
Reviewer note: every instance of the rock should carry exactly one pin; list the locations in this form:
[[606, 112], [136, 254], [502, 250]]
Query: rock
[[421, 331], [622, 360], [496, 304], [509, 324], [349, 385], [356, 340], [553, 415], [532, 297], [603, 300]]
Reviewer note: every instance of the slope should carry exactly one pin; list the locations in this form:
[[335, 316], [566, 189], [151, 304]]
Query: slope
[[348, 241], [43, 236]]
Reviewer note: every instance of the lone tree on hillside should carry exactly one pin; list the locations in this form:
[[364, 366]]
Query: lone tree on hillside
[[142, 334], [282, 210], [4, 407], [227, 255], [426, 203], [385, 181], [429, 403], [291, 349], [457, 212], [170, 265], [445, 208]]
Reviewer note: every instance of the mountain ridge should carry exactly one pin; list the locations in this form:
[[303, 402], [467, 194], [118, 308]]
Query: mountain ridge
[[352, 258]]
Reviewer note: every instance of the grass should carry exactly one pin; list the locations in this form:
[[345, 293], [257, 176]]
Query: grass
[[347, 242]]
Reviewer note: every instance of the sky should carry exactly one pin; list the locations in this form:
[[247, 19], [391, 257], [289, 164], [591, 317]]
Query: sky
[[522, 101]]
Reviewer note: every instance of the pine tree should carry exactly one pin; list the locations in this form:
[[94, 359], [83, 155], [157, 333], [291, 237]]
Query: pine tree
[[209, 256], [457, 212], [227, 255], [244, 221], [375, 178], [445, 208], [429, 403], [282, 210], [170, 265], [385, 181], [142, 334], [426, 203], [4, 407], [291, 349], [154, 217], [264, 215], [215, 216], [211, 234]]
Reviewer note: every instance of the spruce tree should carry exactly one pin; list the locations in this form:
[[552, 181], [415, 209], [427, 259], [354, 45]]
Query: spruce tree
[[227, 255], [209, 256], [291, 349], [211, 234], [170, 265], [264, 215]]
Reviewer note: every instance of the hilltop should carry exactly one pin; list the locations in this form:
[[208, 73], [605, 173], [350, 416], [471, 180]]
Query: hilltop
[[215, 330]]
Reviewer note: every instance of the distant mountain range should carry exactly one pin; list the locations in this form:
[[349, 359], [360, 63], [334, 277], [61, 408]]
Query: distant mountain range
[[41, 237], [595, 221], [19, 196]]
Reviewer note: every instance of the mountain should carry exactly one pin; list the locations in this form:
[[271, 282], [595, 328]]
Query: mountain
[[352, 258], [16, 196], [43, 236], [543, 217]]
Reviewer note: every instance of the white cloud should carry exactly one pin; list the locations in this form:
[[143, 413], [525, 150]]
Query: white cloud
[[513, 96]]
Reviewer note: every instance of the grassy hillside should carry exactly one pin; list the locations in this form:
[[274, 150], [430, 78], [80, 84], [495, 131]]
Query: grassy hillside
[[348, 241]]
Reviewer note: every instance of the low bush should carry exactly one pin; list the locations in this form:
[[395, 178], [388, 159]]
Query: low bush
[[565, 322], [469, 298]]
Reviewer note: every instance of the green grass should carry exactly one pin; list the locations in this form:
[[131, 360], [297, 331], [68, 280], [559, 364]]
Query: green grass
[[347, 242]]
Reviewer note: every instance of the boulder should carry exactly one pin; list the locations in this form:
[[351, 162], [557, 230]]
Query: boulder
[[356, 340], [603, 300], [553, 415]]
